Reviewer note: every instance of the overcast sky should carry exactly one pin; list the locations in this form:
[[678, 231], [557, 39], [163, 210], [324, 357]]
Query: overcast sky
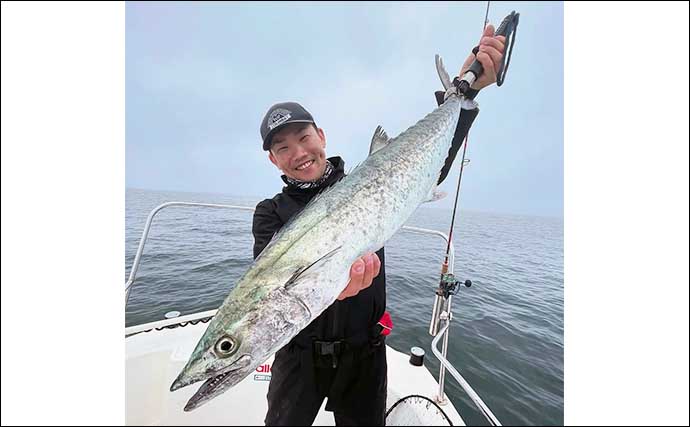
[[200, 76]]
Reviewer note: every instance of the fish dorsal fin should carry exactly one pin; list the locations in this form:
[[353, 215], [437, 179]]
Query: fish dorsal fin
[[379, 140], [301, 272], [442, 73]]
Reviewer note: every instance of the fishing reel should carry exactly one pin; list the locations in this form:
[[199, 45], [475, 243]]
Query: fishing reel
[[448, 286]]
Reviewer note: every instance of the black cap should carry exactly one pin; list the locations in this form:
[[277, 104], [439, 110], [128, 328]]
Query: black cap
[[280, 115]]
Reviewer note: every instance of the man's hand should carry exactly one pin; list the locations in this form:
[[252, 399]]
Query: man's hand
[[362, 273], [490, 55]]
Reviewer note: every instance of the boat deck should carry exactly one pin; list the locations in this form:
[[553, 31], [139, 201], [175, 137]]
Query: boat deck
[[155, 358]]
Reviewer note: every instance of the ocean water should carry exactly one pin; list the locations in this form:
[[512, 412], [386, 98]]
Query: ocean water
[[506, 337]]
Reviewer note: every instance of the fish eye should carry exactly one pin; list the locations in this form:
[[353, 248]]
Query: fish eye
[[225, 347]]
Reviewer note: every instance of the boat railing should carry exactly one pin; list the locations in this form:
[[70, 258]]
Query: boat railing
[[446, 316]]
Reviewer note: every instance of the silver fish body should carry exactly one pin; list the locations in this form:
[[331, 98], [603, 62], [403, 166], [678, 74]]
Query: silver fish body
[[306, 266]]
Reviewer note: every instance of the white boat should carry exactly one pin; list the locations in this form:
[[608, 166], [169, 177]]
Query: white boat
[[156, 352]]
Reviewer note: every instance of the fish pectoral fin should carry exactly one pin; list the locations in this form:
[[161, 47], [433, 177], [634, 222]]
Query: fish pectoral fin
[[435, 195], [379, 140], [302, 272]]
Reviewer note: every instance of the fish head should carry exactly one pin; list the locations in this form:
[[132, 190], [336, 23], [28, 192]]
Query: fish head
[[244, 333], [222, 358]]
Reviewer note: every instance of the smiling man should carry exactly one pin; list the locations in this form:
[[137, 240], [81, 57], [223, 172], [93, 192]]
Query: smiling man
[[341, 355]]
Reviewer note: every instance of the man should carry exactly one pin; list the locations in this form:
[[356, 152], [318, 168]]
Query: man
[[341, 355]]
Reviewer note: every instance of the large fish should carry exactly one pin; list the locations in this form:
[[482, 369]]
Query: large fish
[[307, 264]]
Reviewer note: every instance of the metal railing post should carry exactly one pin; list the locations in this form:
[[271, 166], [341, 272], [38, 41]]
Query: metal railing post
[[464, 384], [144, 236]]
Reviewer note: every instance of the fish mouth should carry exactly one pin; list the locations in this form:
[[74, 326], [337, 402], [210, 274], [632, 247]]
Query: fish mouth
[[219, 383]]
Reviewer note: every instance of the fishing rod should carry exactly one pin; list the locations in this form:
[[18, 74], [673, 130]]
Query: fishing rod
[[507, 29], [448, 282]]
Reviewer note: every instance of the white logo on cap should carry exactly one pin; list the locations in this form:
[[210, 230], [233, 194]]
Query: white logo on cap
[[278, 117]]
